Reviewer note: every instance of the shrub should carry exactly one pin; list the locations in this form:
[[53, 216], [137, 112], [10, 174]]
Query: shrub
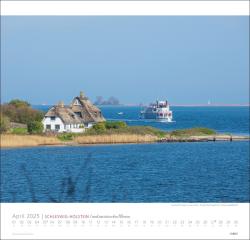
[[19, 130], [35, 127], [99, 127], [115, 125], [4, 124], [65, 136]]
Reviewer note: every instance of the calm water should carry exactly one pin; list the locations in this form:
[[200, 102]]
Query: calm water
[[166, 172], [222, 119], [176, 172]]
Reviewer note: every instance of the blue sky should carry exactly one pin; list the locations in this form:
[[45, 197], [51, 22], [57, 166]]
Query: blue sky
[[188, 60]]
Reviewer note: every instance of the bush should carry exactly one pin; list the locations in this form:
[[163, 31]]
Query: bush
[[99, 127], [35, 127], [4, 124], [115, 125], [106, 127], [66, 136], [19, 130]]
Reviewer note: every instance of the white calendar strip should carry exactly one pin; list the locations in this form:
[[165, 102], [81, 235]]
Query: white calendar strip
[[124, 220], [125, 8]]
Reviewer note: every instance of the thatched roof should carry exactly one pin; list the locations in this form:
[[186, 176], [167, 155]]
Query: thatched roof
[[89, 112], [80, 111], [65, 113]]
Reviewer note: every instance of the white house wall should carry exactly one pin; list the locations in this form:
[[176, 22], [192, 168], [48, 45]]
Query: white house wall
[[53, 123], [77, 130], [63, 127]]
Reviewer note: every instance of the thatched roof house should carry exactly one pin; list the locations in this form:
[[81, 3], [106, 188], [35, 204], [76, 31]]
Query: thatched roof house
[[64, 113], [74, 118], [88, 112]]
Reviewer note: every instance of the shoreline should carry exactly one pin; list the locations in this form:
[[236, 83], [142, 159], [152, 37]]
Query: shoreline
[[215, 138], [22, 141]]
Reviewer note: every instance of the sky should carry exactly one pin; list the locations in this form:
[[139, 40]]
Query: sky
[[184, 59]]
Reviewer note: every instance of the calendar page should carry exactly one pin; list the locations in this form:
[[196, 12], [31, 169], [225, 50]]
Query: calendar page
[[124, 120]]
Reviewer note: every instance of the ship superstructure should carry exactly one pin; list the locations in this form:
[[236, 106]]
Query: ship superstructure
[[159, 111]]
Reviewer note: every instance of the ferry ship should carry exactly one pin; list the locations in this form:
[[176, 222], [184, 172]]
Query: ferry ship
[[159, 111]]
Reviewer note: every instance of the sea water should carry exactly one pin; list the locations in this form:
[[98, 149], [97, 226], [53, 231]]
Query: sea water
[[159, 172], [222, 119]]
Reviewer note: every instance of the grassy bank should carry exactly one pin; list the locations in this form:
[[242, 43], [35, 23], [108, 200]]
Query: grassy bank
[[101, 133], [197, 131], [121, 128], [114, 132]]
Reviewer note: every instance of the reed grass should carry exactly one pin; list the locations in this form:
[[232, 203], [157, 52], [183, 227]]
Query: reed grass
[[12, 140], [114, 138]]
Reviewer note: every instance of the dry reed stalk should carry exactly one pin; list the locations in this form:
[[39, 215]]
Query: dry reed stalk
[[115, 138], [10, 140]]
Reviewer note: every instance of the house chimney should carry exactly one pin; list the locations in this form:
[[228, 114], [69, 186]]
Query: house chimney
[[61, 104], [81, 95]]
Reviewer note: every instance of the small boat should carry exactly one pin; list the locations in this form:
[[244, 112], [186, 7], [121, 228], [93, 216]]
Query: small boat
[[120, 113], [159, 111]]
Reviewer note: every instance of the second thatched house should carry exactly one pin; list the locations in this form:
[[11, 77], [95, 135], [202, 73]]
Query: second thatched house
[[80, 114]]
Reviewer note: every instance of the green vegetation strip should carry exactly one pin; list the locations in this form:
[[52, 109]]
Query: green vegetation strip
[[118, 127], [19, 131], [114, 127], [198, 131]]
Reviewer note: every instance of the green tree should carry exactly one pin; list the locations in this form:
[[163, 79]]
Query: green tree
[[20, 111], [4, 124], [35, 127], [19, 103]]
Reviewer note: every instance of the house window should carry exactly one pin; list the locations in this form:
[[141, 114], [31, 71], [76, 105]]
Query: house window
[[79, 114], [48, 127], [77, 102], [57, 127], [52, 118]]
